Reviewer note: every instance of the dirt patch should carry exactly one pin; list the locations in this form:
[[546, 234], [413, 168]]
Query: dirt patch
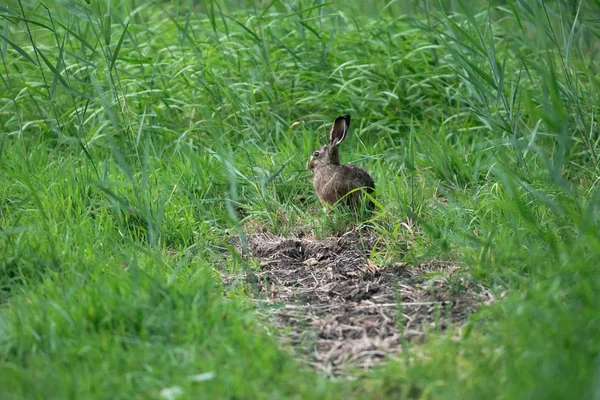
[[338, 308]]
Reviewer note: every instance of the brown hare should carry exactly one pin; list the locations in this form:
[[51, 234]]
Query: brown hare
[[333, 181]]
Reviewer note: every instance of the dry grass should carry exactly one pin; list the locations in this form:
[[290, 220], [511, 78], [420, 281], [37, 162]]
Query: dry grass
[[338, 308]]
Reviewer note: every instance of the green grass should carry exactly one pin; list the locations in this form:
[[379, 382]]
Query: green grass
[[136, 139]]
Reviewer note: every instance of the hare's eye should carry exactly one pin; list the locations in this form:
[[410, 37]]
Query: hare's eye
[[316, 154]]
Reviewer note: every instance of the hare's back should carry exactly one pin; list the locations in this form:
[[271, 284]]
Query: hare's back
[[358, 177]]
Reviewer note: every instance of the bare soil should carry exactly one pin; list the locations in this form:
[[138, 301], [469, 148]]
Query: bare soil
[[336, 307]]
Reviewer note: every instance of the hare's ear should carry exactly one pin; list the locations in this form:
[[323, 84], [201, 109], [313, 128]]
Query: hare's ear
[[339, 130]]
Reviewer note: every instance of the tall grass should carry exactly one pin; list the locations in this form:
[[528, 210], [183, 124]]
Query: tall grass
[[137, 138]]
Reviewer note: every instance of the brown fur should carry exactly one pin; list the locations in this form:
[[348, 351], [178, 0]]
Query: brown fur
[[333, 181]]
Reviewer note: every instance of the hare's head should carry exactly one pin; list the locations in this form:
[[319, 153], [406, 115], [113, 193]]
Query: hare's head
[[329, 154]]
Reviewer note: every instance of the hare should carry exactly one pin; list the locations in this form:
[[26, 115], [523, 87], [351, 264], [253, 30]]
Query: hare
[[333, 181]]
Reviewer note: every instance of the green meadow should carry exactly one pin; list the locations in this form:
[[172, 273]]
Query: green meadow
[[138, 138]]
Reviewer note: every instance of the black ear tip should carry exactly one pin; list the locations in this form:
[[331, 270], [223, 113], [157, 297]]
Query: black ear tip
[[345, 117]]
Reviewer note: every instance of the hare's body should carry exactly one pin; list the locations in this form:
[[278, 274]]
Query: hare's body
[[333, 181]]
